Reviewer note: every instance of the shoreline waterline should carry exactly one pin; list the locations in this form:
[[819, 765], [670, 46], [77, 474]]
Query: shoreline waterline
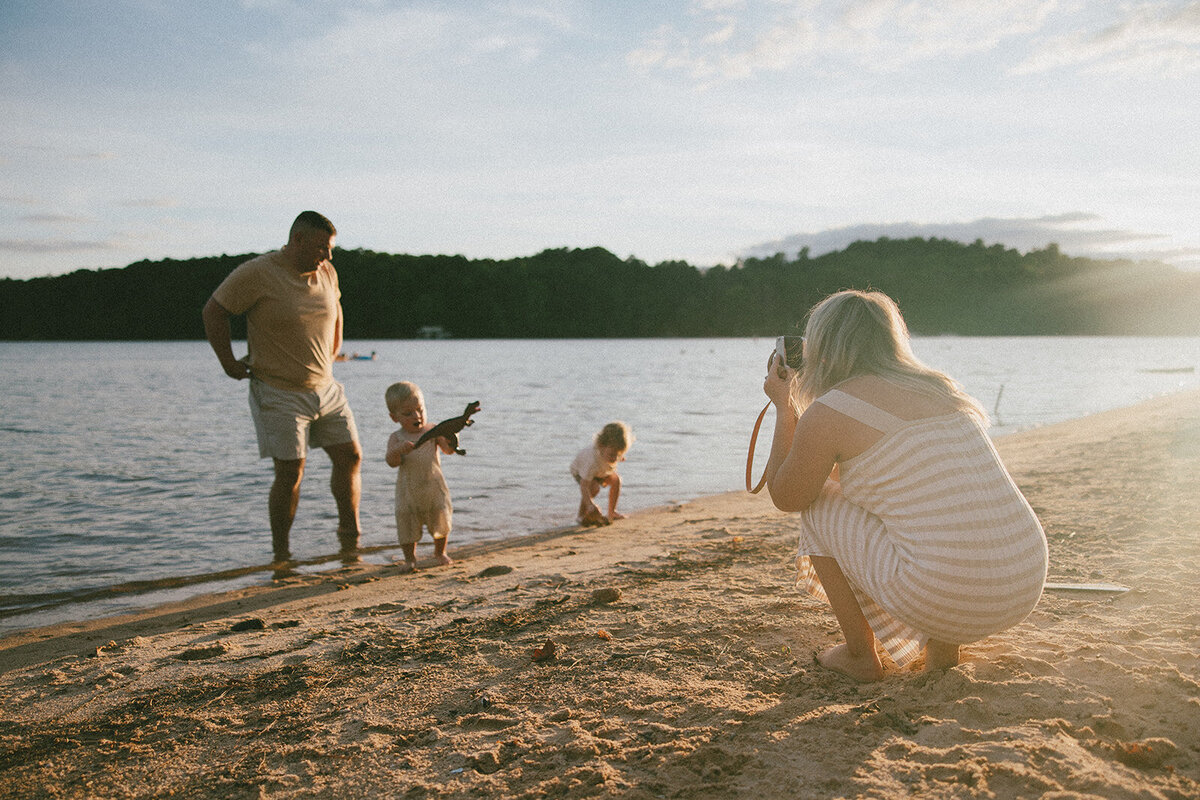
[[134, 598], [133, 464]]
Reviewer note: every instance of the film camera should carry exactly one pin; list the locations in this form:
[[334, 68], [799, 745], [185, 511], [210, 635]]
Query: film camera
[[790, 350]]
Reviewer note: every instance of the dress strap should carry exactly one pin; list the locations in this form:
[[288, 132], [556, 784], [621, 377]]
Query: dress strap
[[861, 411]]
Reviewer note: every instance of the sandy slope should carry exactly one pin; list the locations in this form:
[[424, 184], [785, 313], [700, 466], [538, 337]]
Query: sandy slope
[[682, 665]]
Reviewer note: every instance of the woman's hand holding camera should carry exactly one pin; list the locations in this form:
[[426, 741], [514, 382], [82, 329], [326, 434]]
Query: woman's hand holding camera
[[778, 383]]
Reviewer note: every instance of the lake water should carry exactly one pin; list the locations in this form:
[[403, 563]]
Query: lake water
[[136, 461]]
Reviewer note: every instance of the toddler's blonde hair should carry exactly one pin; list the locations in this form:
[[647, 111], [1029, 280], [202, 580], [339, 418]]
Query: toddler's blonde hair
[[615, 434], [397, 393]]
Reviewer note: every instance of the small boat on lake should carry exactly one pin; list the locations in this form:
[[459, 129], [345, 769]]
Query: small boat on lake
[[355, 357]]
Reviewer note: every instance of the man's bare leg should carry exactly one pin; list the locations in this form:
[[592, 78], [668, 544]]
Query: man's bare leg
[[282, 502], [345, 481]]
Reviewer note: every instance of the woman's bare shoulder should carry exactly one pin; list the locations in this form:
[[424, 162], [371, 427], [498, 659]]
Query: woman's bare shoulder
[[897, 400]]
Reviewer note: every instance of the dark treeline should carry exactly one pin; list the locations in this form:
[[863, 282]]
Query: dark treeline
[[942, 287]]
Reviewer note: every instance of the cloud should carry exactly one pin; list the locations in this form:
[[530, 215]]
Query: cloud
[[1153, 37], [20, 200], [383, 68], [550, 12], [891, 32], [53, 219], [429, 36], [69, 154], [55, 246], [151, 202], [736, 40], [1075, 233], [722, 45]]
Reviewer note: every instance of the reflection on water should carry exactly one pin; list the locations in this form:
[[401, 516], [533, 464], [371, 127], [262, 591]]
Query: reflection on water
[[136, 461]]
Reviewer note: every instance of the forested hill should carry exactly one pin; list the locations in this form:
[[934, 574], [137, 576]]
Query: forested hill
[[942, 287]]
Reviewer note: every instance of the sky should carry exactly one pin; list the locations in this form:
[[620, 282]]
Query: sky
[[699, 131]]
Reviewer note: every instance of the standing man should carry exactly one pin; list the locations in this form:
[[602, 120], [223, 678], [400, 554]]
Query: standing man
[[293, 314]]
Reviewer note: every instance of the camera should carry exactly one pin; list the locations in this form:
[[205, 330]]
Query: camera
[[790, 350]]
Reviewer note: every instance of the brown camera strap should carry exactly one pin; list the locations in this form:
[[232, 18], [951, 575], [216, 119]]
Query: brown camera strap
[[750, 453]]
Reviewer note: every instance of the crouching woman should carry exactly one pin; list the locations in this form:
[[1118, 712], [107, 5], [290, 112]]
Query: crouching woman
[[912, 529]]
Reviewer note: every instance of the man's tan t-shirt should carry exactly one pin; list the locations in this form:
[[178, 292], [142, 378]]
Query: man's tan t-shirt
[[291, 320]]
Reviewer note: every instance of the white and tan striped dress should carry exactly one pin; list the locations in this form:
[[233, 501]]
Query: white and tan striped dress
[[929, 528]]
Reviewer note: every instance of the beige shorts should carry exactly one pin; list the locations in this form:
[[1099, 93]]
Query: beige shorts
[[288, 423], [409, 525]]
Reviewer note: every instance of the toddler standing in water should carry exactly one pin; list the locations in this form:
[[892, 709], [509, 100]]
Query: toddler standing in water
[[422, 498], [596, 467]]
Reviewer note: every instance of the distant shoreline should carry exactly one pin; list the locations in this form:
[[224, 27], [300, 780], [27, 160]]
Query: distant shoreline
[[942, 286]]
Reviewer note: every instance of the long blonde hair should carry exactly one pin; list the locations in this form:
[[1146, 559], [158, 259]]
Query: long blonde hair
[[854, 333]]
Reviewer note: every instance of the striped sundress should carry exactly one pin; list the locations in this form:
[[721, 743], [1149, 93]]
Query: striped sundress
[[929, 528]]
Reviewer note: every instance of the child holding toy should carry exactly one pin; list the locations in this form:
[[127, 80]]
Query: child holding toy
[[422, 497]]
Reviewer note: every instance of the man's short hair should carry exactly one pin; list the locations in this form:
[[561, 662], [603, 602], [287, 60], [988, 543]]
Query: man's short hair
[[312, 221]]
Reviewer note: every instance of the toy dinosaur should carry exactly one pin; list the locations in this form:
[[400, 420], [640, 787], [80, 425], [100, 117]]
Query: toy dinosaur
[[449, 428]]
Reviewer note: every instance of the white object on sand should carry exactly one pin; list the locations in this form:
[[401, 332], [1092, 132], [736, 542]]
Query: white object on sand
[[1087, 587]]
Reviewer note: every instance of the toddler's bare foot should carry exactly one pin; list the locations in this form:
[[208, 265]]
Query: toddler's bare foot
[[592, 518], [405, 566], [863, 669], [616, 515], [940, 655], [445, 560]]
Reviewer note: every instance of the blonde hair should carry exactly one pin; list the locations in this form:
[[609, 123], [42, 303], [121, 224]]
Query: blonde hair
[[397, 393], [854, 333], [615, 434]]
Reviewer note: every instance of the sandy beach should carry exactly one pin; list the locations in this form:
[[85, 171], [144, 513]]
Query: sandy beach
[[668, 655]]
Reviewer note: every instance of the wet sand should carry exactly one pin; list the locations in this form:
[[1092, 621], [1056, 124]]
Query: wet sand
[[680, 666]]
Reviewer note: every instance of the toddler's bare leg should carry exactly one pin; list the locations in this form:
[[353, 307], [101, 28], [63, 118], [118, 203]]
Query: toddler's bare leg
[[439, 550], [614, 492], [410, 557], [588, 490]]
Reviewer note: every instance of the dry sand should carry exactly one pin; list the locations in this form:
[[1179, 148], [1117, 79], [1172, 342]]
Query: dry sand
[[682, 665]]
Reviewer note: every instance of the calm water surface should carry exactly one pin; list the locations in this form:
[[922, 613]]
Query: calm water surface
[[137, 462]]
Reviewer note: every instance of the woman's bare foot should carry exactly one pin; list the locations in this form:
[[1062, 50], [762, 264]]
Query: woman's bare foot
[[940, 655], [863, 669]]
